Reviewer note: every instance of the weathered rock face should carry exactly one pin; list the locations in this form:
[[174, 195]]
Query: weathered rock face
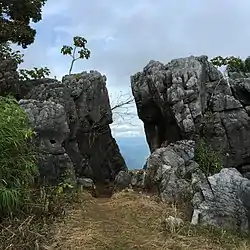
[[87, 184], [170, 168], [73, 116], [220, 200], [189, 98], [138, 178], [49, 120], [130, 179], [122, 180]]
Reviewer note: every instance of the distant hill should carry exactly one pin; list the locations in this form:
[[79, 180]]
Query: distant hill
[[134, 150]]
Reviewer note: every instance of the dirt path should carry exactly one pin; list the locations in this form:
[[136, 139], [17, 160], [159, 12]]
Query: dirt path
[[124, 222], [108, 223]]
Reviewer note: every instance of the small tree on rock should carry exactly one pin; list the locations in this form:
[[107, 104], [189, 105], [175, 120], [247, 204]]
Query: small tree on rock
[[79, 48]]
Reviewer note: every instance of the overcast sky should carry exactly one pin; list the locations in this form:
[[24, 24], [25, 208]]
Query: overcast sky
[[124, 36]]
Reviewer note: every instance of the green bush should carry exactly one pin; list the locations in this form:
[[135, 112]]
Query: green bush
[[209, 161], [234, 64], [17, 156]]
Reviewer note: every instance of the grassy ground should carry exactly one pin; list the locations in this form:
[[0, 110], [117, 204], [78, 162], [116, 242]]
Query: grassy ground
[[30, 227], [130, 220]]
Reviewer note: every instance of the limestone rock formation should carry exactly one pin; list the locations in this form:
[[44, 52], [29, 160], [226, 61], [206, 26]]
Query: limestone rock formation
[[133, 178], [122, 181], [87, 184], [189, 98], [170, 168], [49, 120], [74, 116], [223, 201], [138, 178], [220, 200]]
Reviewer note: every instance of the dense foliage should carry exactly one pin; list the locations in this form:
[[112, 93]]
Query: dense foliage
[[35, 73], [17, 156], [234, 64], [15, 19], [6, 53]]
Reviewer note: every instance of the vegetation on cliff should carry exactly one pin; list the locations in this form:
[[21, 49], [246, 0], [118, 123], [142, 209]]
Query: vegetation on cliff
[[17, 156], [209, 161], [232, 63]]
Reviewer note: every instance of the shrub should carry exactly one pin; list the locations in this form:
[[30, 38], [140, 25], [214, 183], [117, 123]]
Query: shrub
[[35, 73], [209, 161], [17, 156], [232, 63]]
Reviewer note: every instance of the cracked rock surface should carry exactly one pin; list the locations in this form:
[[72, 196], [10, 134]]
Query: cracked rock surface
[[189, 98], [72, 121], [221, 200]]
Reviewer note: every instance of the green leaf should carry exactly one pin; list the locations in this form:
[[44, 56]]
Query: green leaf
[[79, 44]]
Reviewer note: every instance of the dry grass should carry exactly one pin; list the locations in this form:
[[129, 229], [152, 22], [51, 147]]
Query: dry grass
[[130, 220], [31, 227]]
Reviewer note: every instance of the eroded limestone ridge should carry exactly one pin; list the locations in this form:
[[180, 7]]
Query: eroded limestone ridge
[[189, 98], [72, 120]]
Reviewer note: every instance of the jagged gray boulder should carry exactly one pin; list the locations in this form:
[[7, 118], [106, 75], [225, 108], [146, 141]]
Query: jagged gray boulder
[[189, 98], [87, 184], [223, 201], [137, 178], [130, 179], [170, 168], [122, 180], [85, 111]]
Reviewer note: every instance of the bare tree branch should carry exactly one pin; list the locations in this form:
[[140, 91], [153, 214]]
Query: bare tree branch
[[123, 103], [120, 109]]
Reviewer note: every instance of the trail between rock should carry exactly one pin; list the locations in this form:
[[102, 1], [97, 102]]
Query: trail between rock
[[109, 223], [127, 221]]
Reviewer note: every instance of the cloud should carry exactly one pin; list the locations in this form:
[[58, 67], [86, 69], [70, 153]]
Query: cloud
[[125, 35], [127, 130]]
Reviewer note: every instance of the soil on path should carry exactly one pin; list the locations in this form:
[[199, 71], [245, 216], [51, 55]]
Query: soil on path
[[120, 222], [129, 220]]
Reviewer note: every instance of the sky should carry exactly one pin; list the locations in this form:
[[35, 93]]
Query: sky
[[124, 36]]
